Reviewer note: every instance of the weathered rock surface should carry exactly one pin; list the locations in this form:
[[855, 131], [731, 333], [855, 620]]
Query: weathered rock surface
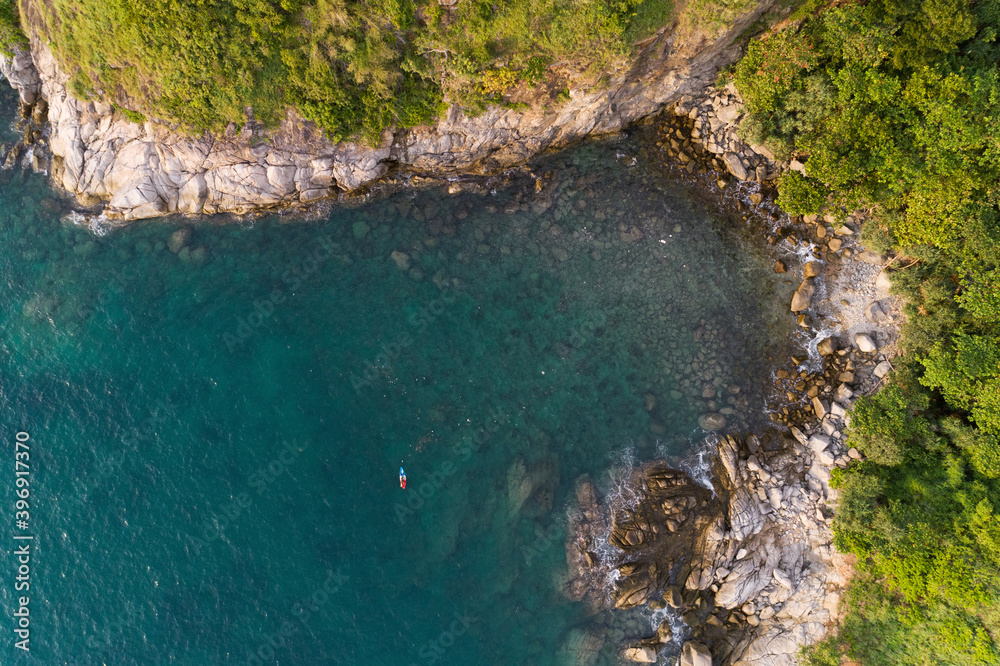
[[20, 71], [147, 170], [642, 655], [865, 343], [802, 298], [750, 568], [695, 654], [735, 167]]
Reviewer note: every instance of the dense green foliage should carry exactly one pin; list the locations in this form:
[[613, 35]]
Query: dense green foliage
[[201, 64], [893, 107], [10, 26], [713, 14], [883, 631], [356, 67], [481, 48]]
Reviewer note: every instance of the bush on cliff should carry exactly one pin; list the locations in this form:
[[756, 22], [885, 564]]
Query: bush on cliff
[[10, 27], [893, 107]]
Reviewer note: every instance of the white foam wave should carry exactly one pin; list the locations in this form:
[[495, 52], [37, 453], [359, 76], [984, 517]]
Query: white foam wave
[[29, 152], [99, 224], [698, 461], [803, 252], [679, 630], [814, 361], [616, 494], [619, 493]]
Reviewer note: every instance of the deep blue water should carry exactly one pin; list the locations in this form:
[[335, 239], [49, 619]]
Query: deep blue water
[[216, 433]]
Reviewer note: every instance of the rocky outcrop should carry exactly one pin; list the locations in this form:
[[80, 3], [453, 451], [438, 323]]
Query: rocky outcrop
[[149, 170], [750, 568], [20, 71]]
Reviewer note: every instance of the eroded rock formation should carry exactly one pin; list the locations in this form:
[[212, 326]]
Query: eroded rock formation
[[749, 568]]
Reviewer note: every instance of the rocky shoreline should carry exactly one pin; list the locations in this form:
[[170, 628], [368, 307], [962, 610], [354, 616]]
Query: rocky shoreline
[[137, 171], [748, 572]]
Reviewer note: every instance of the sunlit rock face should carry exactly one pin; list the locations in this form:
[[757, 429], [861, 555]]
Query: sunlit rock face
[[746, 568]]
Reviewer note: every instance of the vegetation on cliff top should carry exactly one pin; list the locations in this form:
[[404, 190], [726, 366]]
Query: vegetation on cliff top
[[10, 27], [893, 107], [355, 67]]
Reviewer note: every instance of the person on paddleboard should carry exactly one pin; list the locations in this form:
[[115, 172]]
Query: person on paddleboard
[[402, 478]]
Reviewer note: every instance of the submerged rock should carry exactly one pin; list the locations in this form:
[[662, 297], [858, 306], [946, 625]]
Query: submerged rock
[[360, 230], [179, 240], [712, 421], [581, 647], [401, 259]]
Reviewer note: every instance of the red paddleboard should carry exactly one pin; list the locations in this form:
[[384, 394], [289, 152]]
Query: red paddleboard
[[402, 478]]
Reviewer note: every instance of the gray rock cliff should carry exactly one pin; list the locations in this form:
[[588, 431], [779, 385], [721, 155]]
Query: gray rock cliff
[[148, 170]]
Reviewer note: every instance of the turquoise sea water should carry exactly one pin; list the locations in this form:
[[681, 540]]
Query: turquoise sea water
[[216, 432]]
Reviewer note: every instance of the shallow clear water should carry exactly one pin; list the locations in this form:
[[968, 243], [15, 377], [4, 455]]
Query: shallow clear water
[[216, 433]]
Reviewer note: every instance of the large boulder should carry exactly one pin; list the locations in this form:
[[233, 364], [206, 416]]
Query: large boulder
[[782, 578], [633, 591], [745, 515], [748, 577], [728, 114], [802, 298], [695, 654], [735, 166], [864, 342], [820, 408], [818, 443]]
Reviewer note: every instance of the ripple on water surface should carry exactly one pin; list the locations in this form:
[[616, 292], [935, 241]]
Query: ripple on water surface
[[218, 414]]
